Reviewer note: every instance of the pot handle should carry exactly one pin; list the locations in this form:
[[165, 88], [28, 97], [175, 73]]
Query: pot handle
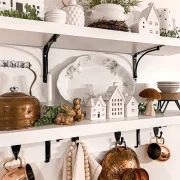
[[19, 64], [159, 139], [10, 160]]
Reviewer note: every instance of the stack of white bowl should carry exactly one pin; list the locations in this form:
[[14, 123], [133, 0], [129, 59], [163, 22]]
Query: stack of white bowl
[[56, 15], [168, 86]]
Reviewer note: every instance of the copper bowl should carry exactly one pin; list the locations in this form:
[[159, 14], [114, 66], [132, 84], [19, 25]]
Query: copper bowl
[[135, 174], [117, 161]]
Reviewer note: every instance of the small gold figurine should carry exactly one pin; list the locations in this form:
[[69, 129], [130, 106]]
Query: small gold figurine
[[66, 118], [77, 108]]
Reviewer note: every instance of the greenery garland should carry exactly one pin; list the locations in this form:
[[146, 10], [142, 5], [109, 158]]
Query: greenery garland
[[172, 33], [126, 4], [31, 13], [49, 115]]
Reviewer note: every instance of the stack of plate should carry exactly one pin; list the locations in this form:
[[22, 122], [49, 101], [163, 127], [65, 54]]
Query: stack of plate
[[168, 86], [56, 15]]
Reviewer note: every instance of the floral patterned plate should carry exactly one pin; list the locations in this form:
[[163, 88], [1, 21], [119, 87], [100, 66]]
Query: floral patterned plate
[[91, 75]]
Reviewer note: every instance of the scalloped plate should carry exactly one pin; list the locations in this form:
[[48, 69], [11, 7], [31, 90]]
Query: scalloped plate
[[91, 75]]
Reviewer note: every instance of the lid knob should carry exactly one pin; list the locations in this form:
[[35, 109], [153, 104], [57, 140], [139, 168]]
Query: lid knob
[[14, 89]]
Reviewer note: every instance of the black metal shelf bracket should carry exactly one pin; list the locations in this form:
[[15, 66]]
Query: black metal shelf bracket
[[136, 60], [16, 149], [45, 56]]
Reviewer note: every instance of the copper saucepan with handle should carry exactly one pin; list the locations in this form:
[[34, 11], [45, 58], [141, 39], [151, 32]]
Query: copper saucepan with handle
[[158, 151], [18, 173]]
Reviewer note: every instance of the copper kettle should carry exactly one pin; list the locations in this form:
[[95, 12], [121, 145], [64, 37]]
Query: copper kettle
[[18, 110]]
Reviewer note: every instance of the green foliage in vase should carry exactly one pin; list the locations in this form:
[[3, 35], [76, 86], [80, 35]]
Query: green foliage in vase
[[172, 33], [31, 13], [126, 4], [142, 108], [49, 115]]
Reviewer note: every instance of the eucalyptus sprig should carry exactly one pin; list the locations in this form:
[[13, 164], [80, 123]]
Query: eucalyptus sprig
[[49, 115], [171, 33], [31, 13], [126, 4], [142, 108]]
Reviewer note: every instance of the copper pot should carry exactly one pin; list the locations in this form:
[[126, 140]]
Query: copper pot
[[117, 161], [18, 110], [18, 173], [158, 151], [135, 174]]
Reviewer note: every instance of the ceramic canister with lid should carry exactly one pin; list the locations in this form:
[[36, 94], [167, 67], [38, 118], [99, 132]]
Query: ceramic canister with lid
[[74, 14]]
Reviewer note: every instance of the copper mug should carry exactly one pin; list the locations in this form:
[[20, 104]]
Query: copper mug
[[158, 151], [18, 173]]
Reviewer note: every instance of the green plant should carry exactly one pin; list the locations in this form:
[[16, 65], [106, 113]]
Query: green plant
[[31, 13], [49, 115], [126, 4], [172, 33], [142, 108]]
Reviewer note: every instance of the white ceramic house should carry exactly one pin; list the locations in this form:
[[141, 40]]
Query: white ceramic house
[[151, 15], [114, 100], [130, 106], [96, 109], [140, 26], [19, 5]]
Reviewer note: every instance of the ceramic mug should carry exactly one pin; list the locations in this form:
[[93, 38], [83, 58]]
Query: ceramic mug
[[18, 173], [158, 151]]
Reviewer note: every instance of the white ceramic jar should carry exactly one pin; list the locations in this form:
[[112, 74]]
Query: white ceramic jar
[[106, 12], [74, 14], [167, 23]]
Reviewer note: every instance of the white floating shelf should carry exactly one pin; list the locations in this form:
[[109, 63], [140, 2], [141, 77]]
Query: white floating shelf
[[36, 34], [86, 128]]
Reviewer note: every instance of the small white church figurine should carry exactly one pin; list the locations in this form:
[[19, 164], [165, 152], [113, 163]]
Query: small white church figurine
[[130, 106], [114, 102], [96, 109], [148, 22]]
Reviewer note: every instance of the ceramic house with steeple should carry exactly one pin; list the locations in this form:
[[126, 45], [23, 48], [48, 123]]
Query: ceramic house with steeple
[[96, 109], [114, 100], [148, 22], [152, 17]]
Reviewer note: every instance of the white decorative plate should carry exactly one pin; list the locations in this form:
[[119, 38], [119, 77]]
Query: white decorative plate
[[91, 75]]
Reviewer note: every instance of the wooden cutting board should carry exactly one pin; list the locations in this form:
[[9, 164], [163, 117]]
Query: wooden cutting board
[[170, 96]]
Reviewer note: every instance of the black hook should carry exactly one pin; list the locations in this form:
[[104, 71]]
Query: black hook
[[47, 151], [16, 149], [58, 140], [74, 139], [119, 139], [156, 132], [138, 132]]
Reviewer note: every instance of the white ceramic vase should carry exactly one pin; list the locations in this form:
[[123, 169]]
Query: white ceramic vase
[[167, 23], [106, 12], [74, 15]]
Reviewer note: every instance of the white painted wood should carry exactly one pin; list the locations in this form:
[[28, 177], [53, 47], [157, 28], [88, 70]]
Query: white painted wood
[[36, 34], [86, 128]]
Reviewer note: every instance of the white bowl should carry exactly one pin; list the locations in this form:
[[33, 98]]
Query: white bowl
[[168, 82], [62, 21], [168, 89], [168, 85]]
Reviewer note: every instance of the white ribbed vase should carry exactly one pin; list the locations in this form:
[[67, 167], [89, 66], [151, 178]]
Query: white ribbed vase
[[75, 15]]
